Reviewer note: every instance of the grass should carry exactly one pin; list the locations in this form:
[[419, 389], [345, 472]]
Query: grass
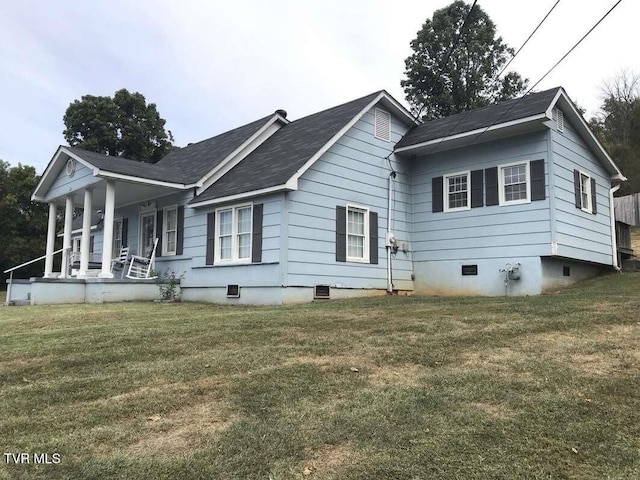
[[464, 388]]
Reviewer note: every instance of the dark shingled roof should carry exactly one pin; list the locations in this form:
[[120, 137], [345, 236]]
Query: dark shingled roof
[[502, 112], [125, 166], [287, 150], [195, 160]]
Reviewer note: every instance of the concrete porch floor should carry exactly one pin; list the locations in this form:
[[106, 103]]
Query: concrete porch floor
[[49, 291]]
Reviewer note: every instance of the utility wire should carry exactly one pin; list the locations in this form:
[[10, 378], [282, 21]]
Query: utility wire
[[477, 137], [527, 40], [495, 79]]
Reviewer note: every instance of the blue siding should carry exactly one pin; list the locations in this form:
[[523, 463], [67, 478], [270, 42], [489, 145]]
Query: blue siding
[[64, 184], [483, 232], [353, 171], [580, 235]]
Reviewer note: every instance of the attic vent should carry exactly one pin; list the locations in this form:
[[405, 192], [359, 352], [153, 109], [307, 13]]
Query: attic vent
[[383, 125], [233, 291], [321, 291], [558, 116]]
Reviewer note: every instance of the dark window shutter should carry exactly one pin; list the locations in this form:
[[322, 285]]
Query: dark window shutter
[[180, 231], [373, 237], [576, 188], [477, 188], [536, 168], [491, 179], [91, 243], [341, 234], [211, 237], [159, 232], [256, 241], [125, 232], [594, 200], [436, 195]]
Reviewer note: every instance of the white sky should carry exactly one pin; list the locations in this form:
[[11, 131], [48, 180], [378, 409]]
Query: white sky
[[211, 66]]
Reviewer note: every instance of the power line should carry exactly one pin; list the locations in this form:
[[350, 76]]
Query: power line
[[477, 137], [527, 40]]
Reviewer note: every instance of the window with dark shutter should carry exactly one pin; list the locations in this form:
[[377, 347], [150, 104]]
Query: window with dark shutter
[[256, 241], [125, 232], [491, 181], [159, 215], [373, 238], [341, 234], [437, 203], [180, 231], [477, 188], [594, 200], [537, 180], [211, 237], [576, 188]]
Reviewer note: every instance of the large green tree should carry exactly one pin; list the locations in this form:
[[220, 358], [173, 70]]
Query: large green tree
[[617, 126], [23, 223], [122, 125], [442, 80]]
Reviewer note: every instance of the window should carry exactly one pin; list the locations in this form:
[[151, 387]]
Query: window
[[357, 234], [382, 125], [117, 238], [170, 230], [458, 191], [147, 233], [585, 192], [233, 232], [515, 185]]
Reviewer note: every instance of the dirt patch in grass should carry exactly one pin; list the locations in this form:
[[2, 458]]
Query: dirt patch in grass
[[327, 462], [182, 431]]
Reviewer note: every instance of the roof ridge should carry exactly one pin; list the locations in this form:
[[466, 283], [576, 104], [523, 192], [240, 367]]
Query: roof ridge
[[373, 94]]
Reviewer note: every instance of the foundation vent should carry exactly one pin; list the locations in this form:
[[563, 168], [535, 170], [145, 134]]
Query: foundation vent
[[321, 291], [233, 291]]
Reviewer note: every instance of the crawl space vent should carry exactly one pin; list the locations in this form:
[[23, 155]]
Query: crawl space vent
[[321, 291], [233, 291], [469, 269]]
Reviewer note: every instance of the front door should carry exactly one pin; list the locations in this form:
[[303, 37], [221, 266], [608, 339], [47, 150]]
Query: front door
[[147, 233]]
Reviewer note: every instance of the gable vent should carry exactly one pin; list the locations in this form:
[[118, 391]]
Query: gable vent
[[558, 116], [383, 125], [321, 291]]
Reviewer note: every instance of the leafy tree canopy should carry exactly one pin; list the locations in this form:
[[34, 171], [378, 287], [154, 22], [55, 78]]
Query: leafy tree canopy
[[437, 85], [617, 126], [23, 223], [120, 126]]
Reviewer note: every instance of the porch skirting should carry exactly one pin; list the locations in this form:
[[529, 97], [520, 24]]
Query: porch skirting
[[49, 291]]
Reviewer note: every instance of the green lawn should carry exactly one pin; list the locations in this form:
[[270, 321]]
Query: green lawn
[[541, 387]]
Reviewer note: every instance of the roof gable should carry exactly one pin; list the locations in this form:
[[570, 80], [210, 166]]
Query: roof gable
[[288, 152]]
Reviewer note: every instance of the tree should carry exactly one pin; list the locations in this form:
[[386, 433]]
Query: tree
[[23, 223], [443, 80], [122, 126], [617, 126]]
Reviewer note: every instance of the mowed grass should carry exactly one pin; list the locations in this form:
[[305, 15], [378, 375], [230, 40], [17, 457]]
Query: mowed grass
[[541, 387]]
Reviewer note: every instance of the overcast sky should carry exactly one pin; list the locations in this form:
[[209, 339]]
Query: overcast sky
[[211, 66]]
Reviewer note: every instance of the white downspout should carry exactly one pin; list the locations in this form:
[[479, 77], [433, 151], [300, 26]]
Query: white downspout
[[612, 214], [392, 175]]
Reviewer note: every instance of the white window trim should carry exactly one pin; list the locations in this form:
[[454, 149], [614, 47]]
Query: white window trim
[[501, 185], [375, 124], [445, 189], [589, 207], [365, 251], [165, 232], [148, 212], [234, 237]]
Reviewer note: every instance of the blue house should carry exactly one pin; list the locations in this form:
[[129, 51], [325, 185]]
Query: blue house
[[514, 198]]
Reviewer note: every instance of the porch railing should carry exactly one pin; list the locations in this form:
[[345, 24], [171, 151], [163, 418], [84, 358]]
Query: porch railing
[[10, 271]]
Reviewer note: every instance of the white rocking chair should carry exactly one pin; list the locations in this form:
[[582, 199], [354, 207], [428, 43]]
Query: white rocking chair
[[120, 263], [140, 267]]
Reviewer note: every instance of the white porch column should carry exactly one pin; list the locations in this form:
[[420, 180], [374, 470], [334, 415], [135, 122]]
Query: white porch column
[[86, 233], [107, 241], [51, 241], [66, 238]]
